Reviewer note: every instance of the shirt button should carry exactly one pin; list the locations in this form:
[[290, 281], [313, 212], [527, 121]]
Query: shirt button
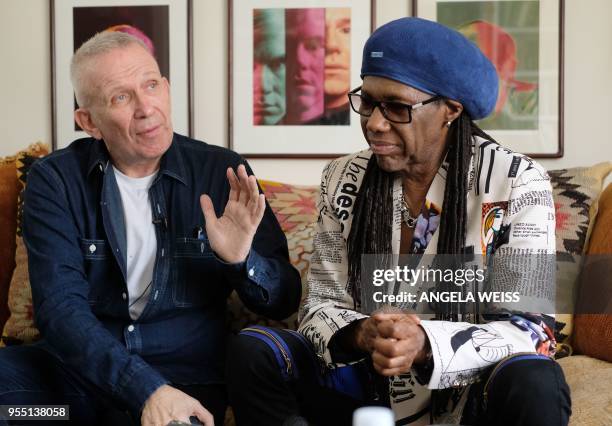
[[131, 328], [251, 272], [124, 296]]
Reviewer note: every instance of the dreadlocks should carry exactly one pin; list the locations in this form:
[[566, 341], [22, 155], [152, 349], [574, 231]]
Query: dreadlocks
[[372, 218], [373, 213]]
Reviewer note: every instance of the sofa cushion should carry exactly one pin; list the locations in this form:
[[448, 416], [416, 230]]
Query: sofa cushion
[[601, 237], [293, 205], [589, 380], [593, 329], [19, 328], [9, 190], [575, 192]]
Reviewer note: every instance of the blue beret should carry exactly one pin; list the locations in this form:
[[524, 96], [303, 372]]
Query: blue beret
[[434, 59]]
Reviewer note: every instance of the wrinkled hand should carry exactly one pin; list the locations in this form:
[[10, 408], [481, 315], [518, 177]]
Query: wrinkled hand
[[231, 235], [395, 340], [168, 403], [366, 333]]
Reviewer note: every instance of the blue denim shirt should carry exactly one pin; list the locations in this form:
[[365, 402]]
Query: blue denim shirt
[[75, 236]]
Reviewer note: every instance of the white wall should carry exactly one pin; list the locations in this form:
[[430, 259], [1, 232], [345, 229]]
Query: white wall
[[25, 79], [25, 88]]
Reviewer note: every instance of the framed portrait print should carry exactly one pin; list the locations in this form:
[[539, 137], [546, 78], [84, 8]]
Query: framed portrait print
[[524, 41], [291, 66], [162, 25]]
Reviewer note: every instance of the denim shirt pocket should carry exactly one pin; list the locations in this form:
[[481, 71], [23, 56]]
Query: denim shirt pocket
[[97, 257], [193, 272], [193, 248]]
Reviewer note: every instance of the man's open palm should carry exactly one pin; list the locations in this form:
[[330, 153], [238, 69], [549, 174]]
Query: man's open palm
[[231, 235]]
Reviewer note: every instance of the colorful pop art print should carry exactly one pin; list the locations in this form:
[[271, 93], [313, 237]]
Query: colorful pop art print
[[162, 25], [524, 41], [493, 231], [292, 64]]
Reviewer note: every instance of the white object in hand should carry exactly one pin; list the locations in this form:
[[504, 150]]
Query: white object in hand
[[373, 416]]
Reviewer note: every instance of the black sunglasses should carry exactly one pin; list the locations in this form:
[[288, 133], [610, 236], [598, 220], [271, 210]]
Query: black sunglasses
[[397, 112]]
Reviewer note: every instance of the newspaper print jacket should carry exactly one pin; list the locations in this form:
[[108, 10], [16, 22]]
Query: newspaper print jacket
[[500, 181]]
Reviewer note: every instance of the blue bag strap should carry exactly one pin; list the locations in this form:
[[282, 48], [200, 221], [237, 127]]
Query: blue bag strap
[[281, 351], [347, 379], [317, 367], [520, 356]]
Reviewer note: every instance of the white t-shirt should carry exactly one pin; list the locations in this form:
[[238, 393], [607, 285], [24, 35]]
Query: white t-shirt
[[141, 240]]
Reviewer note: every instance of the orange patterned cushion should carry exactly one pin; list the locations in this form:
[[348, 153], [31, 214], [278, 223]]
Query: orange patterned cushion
[[601, 237], [292, 204], [9, 190], [19, 328]]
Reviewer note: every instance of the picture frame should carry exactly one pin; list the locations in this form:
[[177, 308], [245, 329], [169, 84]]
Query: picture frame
[[164, 25], [287, 97], [524, 40]]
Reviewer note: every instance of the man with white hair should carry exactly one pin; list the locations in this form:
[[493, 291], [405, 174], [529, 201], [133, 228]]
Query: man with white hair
[[130, 265]]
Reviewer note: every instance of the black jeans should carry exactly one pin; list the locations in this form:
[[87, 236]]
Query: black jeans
[[31, 376], [524, 392]]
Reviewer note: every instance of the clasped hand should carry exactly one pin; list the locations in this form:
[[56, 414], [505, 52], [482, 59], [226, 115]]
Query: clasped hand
[[395, 341], [231, 235]]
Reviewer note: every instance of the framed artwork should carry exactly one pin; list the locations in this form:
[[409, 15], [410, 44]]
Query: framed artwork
[[163, 25], [524, 41], [291, 66]]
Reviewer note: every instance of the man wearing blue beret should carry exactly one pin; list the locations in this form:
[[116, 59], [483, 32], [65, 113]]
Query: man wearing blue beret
[[430, 183]]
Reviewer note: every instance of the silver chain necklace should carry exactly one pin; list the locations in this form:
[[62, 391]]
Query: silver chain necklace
[[407, 218]]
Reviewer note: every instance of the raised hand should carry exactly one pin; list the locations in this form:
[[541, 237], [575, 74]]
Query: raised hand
[[231, 235]]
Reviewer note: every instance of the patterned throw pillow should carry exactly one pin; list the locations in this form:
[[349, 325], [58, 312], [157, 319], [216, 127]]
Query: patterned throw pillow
[[575, 192], [9, 191], [293, 205], [19, 328], [295, 209]]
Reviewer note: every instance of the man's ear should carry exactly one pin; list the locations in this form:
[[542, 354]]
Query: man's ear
[[453, 109], [83, 118]]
